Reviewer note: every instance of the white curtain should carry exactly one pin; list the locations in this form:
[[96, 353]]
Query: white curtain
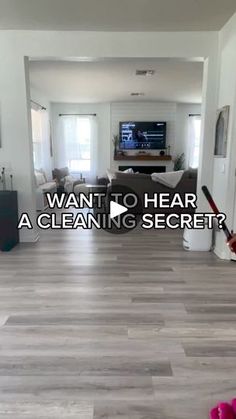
[[79, 145], [194, 133], [40, 135]]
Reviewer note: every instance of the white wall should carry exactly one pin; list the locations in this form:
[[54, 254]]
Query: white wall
[[39, 98], [14, 88], [224, 168]]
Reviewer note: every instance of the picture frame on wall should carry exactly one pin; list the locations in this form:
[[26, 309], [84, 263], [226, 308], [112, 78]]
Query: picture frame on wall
[[221, 134]]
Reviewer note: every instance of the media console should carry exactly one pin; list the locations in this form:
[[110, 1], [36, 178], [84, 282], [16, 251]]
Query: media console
[[142, 157]]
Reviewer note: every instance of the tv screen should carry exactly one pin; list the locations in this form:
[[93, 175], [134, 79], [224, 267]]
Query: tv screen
[[142, 135]]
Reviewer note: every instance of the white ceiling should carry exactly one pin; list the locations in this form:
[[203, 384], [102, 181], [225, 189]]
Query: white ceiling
[[111, 81], [116, 15]]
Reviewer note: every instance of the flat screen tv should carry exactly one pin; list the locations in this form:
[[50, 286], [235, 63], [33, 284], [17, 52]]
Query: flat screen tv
[[142, 135]]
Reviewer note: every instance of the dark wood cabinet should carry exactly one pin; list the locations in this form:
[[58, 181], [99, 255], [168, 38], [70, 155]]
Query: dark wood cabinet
[[9, 234]]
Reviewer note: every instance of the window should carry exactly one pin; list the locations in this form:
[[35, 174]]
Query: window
[[78, 147], [194, 140]]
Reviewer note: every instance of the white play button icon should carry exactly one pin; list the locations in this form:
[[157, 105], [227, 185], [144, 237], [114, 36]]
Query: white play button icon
[[116, 209]]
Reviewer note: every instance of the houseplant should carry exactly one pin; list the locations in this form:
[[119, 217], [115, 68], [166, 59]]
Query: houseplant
[[115, 141], [179, 162]]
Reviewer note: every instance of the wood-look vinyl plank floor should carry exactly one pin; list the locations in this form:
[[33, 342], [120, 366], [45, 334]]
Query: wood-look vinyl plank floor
[[102, 326]]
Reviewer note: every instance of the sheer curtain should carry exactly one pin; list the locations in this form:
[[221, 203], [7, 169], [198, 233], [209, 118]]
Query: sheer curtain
[[37, 136], [40, 136], [194, 133], [79, 138]]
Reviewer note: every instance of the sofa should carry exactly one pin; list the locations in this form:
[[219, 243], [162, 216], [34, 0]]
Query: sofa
[[65, 181], [42, 187], [141, 183]]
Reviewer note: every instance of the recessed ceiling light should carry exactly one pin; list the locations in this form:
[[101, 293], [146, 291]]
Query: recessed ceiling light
[[145, 72], [136, 94]]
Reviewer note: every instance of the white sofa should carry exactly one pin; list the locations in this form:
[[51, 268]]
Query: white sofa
[[43, 186]]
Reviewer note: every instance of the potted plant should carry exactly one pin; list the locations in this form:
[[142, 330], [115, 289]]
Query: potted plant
[[179, 162], [115, 141]]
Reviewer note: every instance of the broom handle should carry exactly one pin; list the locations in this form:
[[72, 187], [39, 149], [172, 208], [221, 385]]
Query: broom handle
[[214, 208]]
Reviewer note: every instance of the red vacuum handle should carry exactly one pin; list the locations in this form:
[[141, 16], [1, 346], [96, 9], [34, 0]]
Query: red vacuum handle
[[214, 208]]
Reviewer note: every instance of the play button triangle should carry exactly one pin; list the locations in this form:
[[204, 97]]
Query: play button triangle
[[116, 209]]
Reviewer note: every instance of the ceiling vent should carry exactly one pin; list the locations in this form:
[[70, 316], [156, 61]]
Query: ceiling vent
[[136, 94], [145, 72]]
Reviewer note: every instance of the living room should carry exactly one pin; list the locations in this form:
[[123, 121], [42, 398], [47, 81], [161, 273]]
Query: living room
[[93, 324], [102, 92]]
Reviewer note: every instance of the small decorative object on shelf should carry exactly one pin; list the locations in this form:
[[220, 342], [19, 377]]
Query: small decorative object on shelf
[[3, 179], [115, 141], [11, 177], [120, 153], [162, 153], [142, 153]]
